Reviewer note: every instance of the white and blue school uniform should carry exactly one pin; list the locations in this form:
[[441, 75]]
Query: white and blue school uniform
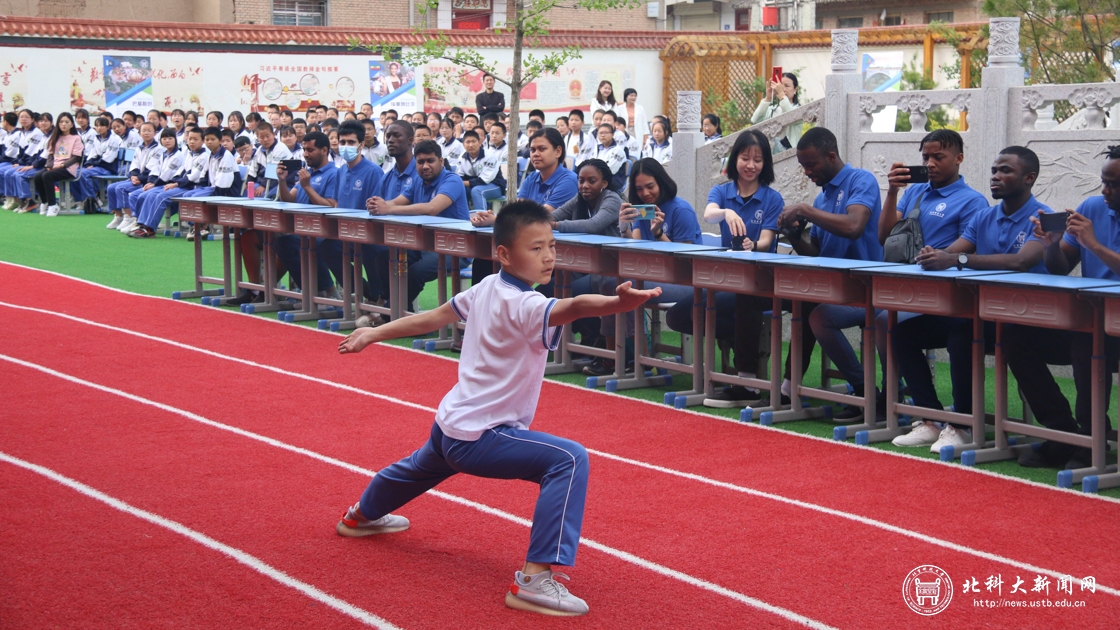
[[580, 146], [490, 180], [378, 154], [13, 144], [711, 139], [149, 208], [117, 193], [19, 183], [100, 160], [556, 191], [29, 146], [627, 141], [191, 175], [466, 167], [132, 139], [661, 152], [759, 212], [451, 151], [258, 171], [482, 425], [615, 156], [153, 168], [87, 135], [222, 177]]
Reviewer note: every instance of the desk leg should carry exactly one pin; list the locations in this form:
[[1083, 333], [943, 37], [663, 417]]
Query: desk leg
[[562, 361], [1003, 450], [869, 359], [891, 375], [650, 379], [703, 349], [231, 272], [1100, 475], [445, 338], [353, 297], [456, 279], [198, 279], [797, 411], [308, 259]]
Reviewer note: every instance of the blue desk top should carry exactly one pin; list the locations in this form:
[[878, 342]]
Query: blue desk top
[[309, 209], [350, 213], [916, 271], [1112, 291], [838, 264], [214, 199], [589, 239], [418, 219], [286, 206], [660, 247], [1046, 281], [752, 257], [456, 226]]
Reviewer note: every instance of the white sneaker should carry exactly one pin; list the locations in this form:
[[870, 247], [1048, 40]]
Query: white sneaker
[[42, 208], [921, 433], [52, 211], [351, 525], [951, 436], [116, 222], [541, 593], [127, 224]]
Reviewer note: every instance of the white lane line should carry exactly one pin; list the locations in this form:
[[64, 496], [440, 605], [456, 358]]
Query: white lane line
[[242, 557], [691, 476], [925, 461], [611, 551]]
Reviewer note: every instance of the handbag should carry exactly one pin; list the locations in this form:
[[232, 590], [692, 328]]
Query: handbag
[[905, 240]]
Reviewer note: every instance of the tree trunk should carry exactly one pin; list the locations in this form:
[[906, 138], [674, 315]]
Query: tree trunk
[[514, 101]]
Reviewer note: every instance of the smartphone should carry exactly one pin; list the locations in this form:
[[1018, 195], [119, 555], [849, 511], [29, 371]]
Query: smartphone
[[1053, 221], [777, 75], [918, 174], [293, 166], [737, 243], [646, 212]]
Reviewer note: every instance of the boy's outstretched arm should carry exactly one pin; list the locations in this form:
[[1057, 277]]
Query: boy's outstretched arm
[[627, 299], [411, 326]]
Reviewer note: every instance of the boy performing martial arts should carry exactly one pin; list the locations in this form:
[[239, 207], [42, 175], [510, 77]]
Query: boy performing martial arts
[[482, 425]]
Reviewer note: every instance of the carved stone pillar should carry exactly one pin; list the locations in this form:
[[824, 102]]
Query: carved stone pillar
[[845, 79], [1002, 73]]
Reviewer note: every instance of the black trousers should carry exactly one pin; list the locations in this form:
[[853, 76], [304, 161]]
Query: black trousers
[[44, 182], [1029, 350], [916, 335]]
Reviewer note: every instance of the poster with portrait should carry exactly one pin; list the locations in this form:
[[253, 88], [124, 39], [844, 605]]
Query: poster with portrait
[[298, 83], [392, 85], [87, 85], [128, 83], [13, 83]]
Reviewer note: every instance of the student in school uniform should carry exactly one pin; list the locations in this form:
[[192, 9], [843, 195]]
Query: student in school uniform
[[85, 128], [18, 181], [8, 123], [154, 169], [451, 146], [147, 205], [483, 176], [22, 141], [243, 149], [482, 426], [579, 145], [290, 140], [624, 138], [270, 153], [434, 191], [252, 119], [469, 161], [318, 185], [711, 128], [236, 123], [64, 155], [613, 153], [118, 192], [470, 121], [561, 125], [132, 122], [373, 149], [660, 145], [100, 160], [222, 177], [215, 119], [358, 179], [531, 127]]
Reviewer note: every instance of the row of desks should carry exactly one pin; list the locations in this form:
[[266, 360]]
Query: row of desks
[[1058, 302]]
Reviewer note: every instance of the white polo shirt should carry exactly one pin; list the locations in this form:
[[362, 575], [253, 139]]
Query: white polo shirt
[[505, 348]]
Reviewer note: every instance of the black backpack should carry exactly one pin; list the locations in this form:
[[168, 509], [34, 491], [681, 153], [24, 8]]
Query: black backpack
[[905, 240]]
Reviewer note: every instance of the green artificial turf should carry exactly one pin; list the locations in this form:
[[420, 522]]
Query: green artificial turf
[[80, 246]]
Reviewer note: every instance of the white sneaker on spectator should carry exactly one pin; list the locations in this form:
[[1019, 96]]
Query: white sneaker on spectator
[[116, 222], [127, 225], [922, 433], [42, 208], [951, 436], [52, 211]]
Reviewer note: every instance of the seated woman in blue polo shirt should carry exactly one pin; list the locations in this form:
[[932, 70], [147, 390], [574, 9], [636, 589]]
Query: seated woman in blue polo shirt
[[746, 209], [674, 221]]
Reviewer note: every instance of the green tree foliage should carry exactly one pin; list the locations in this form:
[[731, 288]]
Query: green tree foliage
[[527, 21], [914, 79], [1065, 41]]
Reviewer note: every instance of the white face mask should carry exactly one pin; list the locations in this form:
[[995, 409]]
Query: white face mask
[[348, 152]]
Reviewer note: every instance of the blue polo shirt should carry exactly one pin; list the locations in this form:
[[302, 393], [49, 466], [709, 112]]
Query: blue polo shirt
[[323, 181], [1106, 226], [394, 183], [357, 184], [945, 211], [558, 190], [446, 183], [993, 232], [759, 212], [850, 187], [680, 224]]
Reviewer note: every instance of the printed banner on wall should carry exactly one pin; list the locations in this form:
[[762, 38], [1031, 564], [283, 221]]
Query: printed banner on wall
[[87, 85], [392, 85], [882, 72], [297, 84], [13, 83], [177, 84], [572, 87], [128, 83]]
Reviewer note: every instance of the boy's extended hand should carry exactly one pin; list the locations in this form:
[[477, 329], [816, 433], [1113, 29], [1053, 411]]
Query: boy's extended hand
[[356, 341], [631, 298]]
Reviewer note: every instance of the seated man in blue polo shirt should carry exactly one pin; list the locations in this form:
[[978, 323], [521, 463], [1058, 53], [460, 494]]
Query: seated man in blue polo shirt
[[358, 179], [317, 185], [995, 239], [436, 192], [1092, 238], [845, 218]]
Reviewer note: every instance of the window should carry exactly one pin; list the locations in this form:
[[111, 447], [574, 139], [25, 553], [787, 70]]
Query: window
[[299, 12], [892, 20], [850, 22], [940, 16], [820, 24], [742, 19]]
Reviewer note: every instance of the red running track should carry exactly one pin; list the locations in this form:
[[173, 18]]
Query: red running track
[[839, 569]]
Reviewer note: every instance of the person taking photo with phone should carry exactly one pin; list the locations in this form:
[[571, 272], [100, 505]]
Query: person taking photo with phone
[[781, 97]]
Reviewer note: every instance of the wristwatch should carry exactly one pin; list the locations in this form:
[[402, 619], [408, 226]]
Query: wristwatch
[[962, 260]]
